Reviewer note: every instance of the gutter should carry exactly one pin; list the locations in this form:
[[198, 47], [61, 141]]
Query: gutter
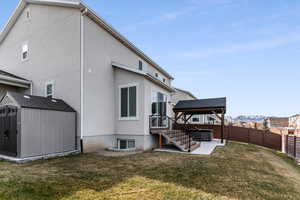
[[88, 12], [101, 22], [144, 74], [15, 81]]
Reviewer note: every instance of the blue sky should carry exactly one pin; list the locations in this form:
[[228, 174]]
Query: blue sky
[[246, 50]]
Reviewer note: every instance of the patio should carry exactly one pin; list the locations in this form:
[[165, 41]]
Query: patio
[[205, 148]]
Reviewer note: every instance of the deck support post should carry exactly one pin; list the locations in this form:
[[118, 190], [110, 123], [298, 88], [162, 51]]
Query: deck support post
[[160, 141], [222, 129]]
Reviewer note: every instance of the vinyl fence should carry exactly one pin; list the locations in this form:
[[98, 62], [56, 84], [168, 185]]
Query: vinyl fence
[[292, 146], [247, 135]]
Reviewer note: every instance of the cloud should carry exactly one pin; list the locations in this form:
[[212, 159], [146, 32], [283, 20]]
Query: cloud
[[244, 47]]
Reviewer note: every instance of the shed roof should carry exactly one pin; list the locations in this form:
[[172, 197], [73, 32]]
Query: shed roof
[[38, 102], [201, 106]]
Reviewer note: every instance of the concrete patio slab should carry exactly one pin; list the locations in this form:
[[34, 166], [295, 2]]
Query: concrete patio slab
[[206, 148]]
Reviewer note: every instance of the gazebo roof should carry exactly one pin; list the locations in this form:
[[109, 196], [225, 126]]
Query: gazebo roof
[[202, 106]]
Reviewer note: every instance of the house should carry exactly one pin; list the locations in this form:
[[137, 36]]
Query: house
[[63, 49], [277, 122], [180, 95], [294, 121]]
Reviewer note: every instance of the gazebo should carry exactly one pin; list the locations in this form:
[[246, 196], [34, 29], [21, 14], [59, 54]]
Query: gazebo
[[184, 110]]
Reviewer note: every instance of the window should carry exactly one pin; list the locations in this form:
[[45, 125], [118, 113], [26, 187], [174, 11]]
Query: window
[[156, 75], [27, 14], [196, 119], [164, 80], [140, 65], [128, 102], [49, 89], [25, 52], [126, 144]]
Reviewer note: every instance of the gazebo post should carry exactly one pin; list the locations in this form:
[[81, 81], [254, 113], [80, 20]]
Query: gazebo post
[[222, 128]]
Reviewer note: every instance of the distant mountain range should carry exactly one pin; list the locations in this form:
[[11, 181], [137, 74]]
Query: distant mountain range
[[249, 118]]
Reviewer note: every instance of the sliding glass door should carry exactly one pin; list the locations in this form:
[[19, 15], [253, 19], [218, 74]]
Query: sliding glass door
[[159, 110]]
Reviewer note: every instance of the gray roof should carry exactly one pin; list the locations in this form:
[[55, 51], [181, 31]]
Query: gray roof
[[38, 102], [201, 104], [4, 73]]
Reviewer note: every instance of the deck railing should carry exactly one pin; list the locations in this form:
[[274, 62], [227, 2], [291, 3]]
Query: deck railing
[[160, 122]]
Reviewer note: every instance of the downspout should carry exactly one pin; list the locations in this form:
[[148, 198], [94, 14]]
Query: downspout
[[31, 87], [83, 13]]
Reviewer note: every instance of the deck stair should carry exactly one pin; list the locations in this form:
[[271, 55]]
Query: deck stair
[[178, 138]]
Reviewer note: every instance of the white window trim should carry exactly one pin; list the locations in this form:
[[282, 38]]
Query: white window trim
[[26, 59], [136, 118], [53, 88]]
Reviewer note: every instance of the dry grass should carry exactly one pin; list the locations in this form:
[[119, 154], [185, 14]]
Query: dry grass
[[238, 171]]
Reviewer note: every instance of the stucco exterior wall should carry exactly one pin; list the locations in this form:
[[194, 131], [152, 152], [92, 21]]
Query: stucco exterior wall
[[53, 37], [123, 126], [101, 82]]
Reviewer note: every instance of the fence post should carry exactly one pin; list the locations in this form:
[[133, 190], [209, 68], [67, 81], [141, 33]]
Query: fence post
[[263, 139], [295, 147], [248, 135]]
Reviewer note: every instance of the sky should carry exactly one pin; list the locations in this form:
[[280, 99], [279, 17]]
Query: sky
[[245, 50]]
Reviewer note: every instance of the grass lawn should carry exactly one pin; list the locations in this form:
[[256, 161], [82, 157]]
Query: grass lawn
[[237, 171]]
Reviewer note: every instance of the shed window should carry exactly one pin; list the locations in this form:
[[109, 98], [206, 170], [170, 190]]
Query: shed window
[[128, 102], [49, 89], [140, 65], [25, 51]]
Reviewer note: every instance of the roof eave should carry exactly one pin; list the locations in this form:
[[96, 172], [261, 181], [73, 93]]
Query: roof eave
[[144, 74], [14, 81], [92, 14], [100, 21]]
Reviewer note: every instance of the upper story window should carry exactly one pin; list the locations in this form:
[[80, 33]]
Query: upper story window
[[27, 14], [25, 52], [128, 102], [164, 80], [49, 89], [140, 65], [156, 75]]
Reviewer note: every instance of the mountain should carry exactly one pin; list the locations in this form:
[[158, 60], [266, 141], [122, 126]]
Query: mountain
[[250, 118]]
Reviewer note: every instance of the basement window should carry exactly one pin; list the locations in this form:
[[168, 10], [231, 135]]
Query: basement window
[[126, 144]]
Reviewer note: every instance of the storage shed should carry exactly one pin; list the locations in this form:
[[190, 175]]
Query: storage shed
[[36, 127]]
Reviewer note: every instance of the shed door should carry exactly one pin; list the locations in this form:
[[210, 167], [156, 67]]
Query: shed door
[[8, 130]]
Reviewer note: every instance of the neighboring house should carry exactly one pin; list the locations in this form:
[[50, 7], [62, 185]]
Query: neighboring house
[[294, 121], [277, 122], [68, 52], [180, 95]]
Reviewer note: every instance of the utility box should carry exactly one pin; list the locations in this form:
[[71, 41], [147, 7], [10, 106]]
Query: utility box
[[36, 127]]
